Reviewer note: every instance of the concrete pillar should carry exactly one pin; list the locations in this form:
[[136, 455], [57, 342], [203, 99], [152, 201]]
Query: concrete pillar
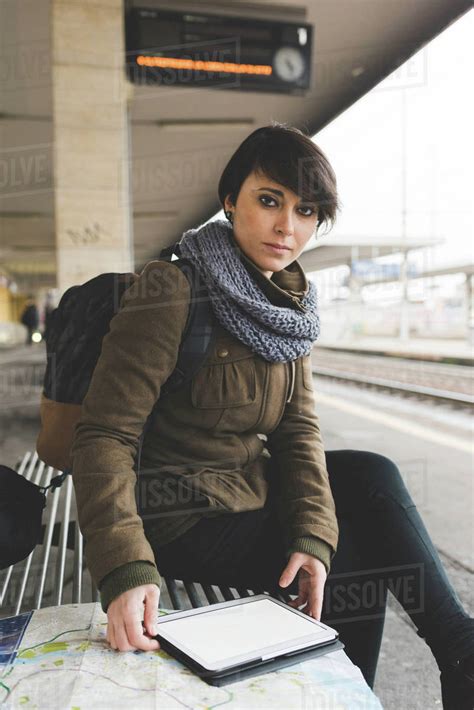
[[91, 145]]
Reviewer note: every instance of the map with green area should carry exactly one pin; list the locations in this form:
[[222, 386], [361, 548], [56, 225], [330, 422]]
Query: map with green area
[[64, 661]]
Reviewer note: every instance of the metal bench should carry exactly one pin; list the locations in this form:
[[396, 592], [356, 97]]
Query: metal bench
[[55, 572]]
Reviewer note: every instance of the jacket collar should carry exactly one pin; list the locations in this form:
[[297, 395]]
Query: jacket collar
[[284, 286]]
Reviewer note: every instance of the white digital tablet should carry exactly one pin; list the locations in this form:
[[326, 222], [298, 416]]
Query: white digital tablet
[[230, 635]]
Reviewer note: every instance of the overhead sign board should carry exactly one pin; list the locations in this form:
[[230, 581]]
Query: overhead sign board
[[169, 48]]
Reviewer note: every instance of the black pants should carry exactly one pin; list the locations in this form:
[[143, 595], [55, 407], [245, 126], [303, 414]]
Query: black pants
[[29, 335], [383, 545]]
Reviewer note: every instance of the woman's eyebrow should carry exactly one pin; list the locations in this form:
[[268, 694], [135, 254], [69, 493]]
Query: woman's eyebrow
[[279, 193], [272, 189]]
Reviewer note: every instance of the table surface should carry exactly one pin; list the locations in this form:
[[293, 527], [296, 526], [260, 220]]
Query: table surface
[[64, 661]]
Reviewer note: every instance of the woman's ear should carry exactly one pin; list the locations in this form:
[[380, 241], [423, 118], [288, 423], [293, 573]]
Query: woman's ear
[[228, 203]]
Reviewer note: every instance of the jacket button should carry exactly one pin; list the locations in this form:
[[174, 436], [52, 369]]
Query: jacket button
[[222, 352]]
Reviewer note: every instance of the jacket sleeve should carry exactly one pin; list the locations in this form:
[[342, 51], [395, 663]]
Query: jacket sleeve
[[304, 501], [138, 354]]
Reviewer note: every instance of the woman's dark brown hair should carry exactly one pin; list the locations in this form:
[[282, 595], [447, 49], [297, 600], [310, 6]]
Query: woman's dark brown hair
[[288, 156]]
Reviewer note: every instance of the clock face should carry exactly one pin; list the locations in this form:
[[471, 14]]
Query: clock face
[[289, 63]]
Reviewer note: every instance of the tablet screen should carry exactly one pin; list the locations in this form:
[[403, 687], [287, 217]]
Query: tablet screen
[[240, 630]]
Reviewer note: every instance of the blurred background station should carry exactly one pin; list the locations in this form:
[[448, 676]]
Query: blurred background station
[[116, 120]]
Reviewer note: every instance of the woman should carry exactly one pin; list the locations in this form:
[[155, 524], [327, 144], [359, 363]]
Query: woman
[[236, 487]]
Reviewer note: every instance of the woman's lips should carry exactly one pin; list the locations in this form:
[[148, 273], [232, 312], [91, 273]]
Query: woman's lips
[[275, 248]]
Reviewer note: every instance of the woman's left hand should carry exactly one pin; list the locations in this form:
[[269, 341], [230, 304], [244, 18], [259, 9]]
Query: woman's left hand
[[311, 581]]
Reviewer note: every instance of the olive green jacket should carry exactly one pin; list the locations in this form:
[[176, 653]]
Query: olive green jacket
[[211, 442]]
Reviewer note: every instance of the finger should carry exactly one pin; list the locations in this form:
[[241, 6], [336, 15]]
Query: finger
[[150, 617], [113, 639], [135, 636], [111, 635], [121, 638], [315, 610], [315, 602], [289, 573]]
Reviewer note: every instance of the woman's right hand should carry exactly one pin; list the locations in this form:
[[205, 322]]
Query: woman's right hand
[[125, 630]]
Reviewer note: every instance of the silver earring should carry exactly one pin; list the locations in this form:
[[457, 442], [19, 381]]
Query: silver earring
[[228, 214]]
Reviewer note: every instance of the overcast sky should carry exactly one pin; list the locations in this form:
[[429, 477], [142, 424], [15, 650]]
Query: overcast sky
[[364, 145]]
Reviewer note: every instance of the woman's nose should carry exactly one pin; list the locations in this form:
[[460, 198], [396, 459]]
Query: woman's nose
[[284, 224]]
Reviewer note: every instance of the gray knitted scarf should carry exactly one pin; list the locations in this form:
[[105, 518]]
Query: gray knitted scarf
[[276, 333]]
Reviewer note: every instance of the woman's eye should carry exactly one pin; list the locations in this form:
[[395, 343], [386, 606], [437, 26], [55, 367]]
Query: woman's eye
[[309, 210], [267, 197]]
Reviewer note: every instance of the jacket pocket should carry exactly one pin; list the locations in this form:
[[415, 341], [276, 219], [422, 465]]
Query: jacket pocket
[[207, 489], [307, 368], [232, 491], [220, 385]]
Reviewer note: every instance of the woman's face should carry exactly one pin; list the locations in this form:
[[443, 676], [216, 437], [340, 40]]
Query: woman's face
[[266, 214]]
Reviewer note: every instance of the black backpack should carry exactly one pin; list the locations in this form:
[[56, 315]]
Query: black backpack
[[74, 340]]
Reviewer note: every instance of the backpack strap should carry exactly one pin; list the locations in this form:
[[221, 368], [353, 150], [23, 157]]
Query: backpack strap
[[167, 253], [199, 331], [198, 335], [57, 481]]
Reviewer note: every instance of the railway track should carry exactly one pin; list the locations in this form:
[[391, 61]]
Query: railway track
[[452, 384]]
